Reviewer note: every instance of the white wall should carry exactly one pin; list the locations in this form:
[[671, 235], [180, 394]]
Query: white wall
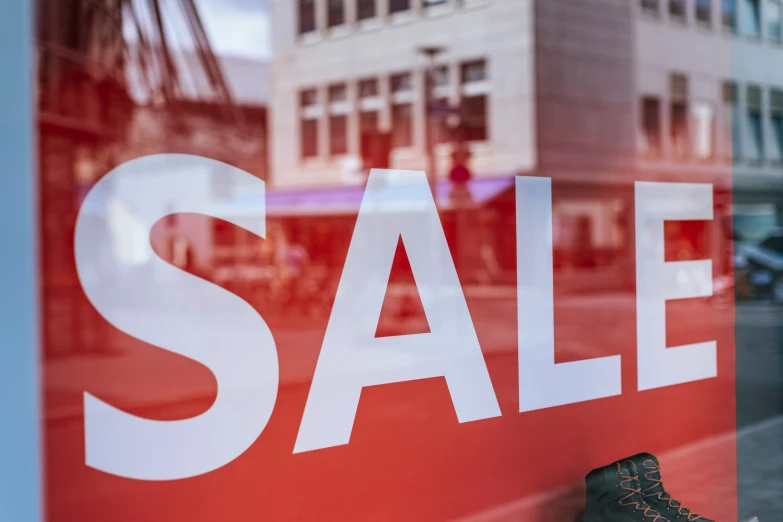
[[498, 30]]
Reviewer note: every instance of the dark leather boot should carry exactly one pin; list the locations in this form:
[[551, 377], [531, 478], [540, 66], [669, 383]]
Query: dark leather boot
[[656, 495], [614, 495]]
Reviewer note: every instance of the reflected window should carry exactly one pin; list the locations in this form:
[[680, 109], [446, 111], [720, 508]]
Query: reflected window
[[753, 222], [309, 138], [704, 12], [402, 125], [395, 6], [473, 112], [309, 123], [440, 76], [338, 134], [732, 129], [677, 10], [336, 13], [308, 98], [402, 82], [368, 88], [774, 14], [650, 6], [368, 110], [474, 71], [474, 106], [443, 131], [365, 9], [679, 116], [338, 119], [755, 139], [751, 18], [650, 136], [729, 14], [776, 119], [338, 93], [402, 110], [306, 16], [774, 243], [368, 122]]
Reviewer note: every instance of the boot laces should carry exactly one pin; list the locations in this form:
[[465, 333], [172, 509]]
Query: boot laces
[[653, 474], [627, 483]]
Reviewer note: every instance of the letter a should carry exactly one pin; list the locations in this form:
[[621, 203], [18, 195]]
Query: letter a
[[395, 204]]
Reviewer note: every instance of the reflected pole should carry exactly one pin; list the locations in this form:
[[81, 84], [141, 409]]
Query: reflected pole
[[431, 52]]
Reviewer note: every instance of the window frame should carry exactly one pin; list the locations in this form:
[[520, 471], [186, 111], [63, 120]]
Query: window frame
[[775, 38], [396, 132], [301, 30], [651, 152], [698, 9], [754, 112], [679, 17], [310, 113], [776, 121], [363, 4], [650, 7], [693, 106], [394, 8], [731, 112], [472, 89], [729, 15], [757, 15]]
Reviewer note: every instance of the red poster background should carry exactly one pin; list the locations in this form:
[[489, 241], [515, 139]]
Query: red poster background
[[408, 458]]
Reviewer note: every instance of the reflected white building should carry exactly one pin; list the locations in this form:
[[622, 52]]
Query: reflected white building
[[711, 98], [593, 93]]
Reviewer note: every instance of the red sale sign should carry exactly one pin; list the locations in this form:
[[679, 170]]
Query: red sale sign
[[398, 385]]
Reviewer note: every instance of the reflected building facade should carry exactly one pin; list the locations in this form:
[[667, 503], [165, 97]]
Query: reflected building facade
[[542, 93], [593, 94]]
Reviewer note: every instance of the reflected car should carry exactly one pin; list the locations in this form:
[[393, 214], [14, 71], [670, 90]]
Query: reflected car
[[764, 265]]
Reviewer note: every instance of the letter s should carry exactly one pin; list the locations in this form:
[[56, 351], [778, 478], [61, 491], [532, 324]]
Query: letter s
[[147, 298]]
